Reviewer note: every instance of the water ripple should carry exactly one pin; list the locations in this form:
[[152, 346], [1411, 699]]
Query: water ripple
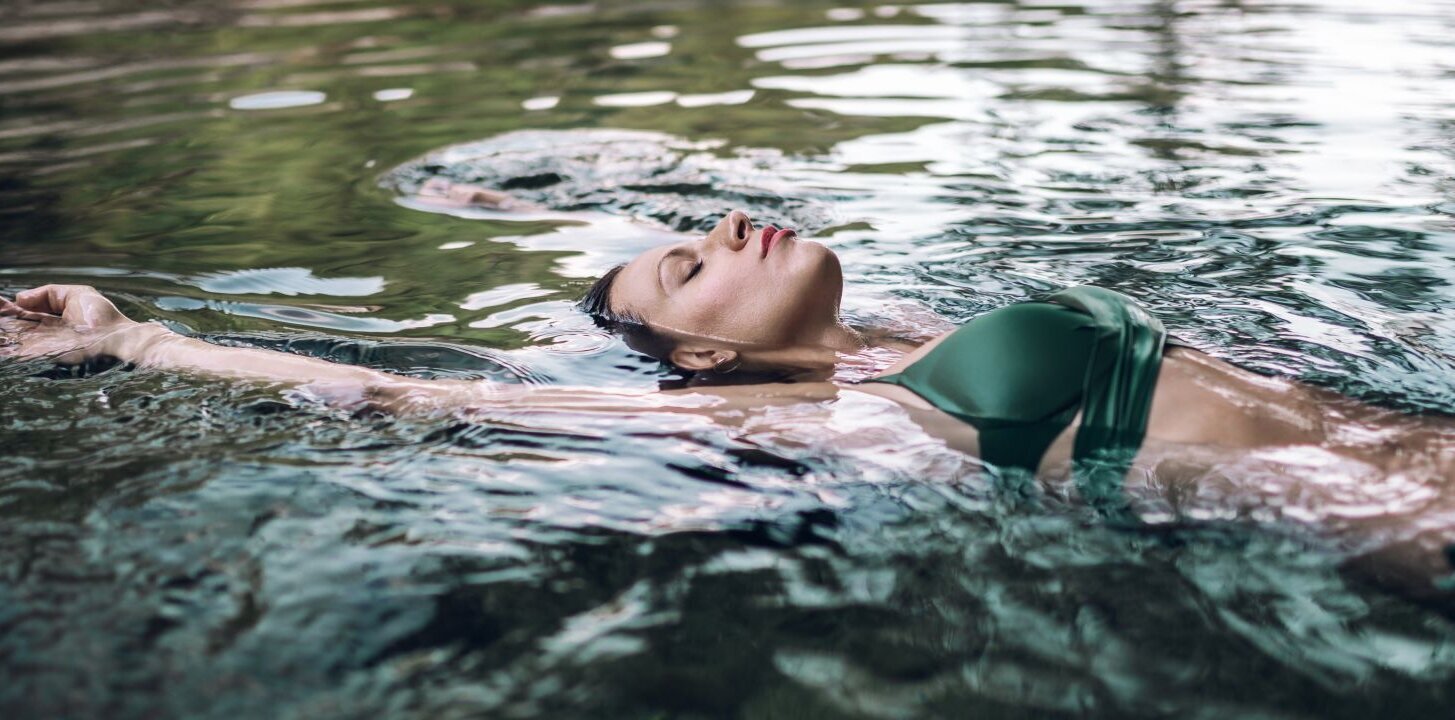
[[1274, 180]]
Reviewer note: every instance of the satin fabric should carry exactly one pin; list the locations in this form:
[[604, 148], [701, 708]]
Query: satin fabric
[[1019, 375]]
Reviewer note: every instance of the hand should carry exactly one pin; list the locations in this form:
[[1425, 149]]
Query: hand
[[72, 323], [439, 191]]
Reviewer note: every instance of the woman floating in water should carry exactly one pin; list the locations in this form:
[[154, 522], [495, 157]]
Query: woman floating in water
[[1081, 390]]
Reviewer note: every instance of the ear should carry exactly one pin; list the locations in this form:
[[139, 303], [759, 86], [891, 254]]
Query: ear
[[699, 359]]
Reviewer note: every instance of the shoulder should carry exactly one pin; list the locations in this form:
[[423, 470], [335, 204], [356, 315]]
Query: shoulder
[[913, 356], [1017, 317]]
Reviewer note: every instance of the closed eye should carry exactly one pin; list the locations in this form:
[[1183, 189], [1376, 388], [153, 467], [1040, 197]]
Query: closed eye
[[693, 272]]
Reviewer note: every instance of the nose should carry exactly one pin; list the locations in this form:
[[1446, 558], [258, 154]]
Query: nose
[[734, 230]]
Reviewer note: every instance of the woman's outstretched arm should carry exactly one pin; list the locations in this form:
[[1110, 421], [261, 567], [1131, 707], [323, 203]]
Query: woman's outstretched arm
[[75, 323]]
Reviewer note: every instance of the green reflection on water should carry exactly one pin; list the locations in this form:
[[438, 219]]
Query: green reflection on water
[[185, 541], [186, 185]]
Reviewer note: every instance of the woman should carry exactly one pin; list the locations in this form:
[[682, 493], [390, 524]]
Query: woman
[[1081, 389]]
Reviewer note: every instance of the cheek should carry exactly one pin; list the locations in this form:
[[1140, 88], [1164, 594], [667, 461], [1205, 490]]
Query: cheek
[[709, 302], [732, 306]]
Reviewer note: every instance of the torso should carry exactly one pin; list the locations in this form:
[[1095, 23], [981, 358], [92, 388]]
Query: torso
[[1223, 442], [1198, 401]]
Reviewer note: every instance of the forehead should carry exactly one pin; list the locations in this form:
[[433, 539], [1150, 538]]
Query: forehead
[[638, 288]]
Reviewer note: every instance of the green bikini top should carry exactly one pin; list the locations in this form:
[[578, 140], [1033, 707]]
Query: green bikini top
[[1020, 373]]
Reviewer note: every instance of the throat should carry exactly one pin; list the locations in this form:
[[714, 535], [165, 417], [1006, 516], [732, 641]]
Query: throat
[[861, 355], [843, 340], [842, 354]]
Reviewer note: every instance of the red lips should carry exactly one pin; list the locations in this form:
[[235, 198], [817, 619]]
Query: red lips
[[772, 234]]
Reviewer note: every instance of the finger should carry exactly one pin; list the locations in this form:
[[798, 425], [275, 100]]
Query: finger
[[11, 309], [66, 297], [45, 299], [14, 309], [52, 299]]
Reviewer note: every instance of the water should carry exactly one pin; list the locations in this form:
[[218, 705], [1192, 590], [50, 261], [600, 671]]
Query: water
[[1273, 179]]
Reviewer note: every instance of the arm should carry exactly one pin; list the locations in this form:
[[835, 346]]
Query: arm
[[75, 323]]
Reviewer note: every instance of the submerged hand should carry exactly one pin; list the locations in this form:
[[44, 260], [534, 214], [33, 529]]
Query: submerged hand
[[72, 323], [439, 191]]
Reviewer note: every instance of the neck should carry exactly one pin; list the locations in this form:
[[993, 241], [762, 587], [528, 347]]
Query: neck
[[875, 350], [843, 340], [839, 347]]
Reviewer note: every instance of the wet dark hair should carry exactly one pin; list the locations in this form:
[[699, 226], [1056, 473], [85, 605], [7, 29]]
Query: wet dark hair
[[633, 329]]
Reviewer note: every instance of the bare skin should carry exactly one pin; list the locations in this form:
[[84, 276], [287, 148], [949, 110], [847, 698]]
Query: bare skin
[[756, 298]]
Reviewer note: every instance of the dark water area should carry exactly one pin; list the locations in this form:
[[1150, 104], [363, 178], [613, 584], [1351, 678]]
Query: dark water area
[[1276, 180]]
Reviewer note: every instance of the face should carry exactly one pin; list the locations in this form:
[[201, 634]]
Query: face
[[743, 287]]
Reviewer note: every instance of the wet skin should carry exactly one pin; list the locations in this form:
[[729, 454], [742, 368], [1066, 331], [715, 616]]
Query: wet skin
[[757, 297], [745, 294]]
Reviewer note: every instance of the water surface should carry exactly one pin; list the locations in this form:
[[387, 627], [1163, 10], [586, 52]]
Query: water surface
[[1274, 179]]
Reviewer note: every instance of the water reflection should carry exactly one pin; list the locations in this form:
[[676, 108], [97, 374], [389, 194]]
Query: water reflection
[[1273, 179], [276, 100]]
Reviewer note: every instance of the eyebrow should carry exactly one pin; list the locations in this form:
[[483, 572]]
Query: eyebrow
[[678, 251]]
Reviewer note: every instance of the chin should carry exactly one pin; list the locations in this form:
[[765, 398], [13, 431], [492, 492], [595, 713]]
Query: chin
[[822, 278], [831, 271]]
